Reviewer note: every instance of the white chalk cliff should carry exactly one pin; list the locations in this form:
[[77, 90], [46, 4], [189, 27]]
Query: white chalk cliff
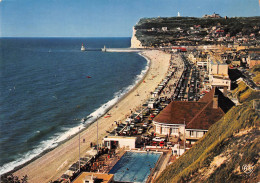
[[135, 43]]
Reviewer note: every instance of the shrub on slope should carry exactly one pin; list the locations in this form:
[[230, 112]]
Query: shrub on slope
[[220, 155]]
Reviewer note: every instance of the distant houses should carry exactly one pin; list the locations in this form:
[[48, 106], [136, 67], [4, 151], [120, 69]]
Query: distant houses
[[214, 15], [253, 59], [191, 31], [164, 29], [178, 49]]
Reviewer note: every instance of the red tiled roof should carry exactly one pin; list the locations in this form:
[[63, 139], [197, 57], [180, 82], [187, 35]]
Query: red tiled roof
[[208, 97], [197, 115], [205, 118], [179, 48], [177, 111]]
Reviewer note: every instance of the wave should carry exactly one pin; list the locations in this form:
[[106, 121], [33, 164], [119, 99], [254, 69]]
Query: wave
[[68, 132], [43, 146]]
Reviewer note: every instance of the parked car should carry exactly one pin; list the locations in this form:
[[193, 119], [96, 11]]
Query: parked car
[[145, 125], [132, 125], [158, 139], [169, 144], [140, 131], [162, 99]]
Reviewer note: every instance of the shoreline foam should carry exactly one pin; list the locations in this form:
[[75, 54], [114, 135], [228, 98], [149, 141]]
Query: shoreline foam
[[60, 138], [59, 159]]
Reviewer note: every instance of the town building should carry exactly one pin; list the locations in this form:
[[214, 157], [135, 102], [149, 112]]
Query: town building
[[179, 49], [214, 15], [112, 142], [218, 75], [192, 118], [90, 177], [164, 29], [253, 59], [198, 58]]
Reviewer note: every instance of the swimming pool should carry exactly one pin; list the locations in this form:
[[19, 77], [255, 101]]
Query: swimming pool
[[134, 166]]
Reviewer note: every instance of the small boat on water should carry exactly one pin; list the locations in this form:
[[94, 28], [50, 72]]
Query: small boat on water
[[83, 48]]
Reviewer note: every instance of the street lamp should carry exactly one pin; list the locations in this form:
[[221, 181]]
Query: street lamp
[[79, 149], [97, 135], [184, 135]]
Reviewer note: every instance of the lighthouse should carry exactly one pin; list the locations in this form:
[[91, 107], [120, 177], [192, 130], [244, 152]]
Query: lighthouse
[[83, 48]]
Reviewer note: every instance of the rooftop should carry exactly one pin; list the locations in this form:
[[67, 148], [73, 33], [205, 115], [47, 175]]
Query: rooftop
[[100, 177], [120, 137], [197, 115]]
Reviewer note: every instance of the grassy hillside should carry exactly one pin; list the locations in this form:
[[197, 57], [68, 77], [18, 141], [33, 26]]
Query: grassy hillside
[[233, 25], [149, 37], [244, 93], [256, 71], [220, 155]]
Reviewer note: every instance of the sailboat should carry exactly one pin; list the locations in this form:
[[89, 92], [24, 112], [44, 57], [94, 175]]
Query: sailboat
[[83, 48]]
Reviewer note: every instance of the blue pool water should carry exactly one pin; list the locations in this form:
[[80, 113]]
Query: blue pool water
[[134, 166]]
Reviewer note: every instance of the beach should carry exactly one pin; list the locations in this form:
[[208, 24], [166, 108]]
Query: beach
[[53, 164]]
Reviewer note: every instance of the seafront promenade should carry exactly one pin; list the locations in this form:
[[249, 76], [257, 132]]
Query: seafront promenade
[[53, 164], [116, 49], [123, 49]]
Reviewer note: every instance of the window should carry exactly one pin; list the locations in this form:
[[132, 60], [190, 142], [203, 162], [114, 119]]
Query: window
[[175, 130], [165, 130], [191, 133], [158, 128]]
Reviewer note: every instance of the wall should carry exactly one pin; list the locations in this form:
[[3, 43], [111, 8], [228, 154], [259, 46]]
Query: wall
[[220, 82], [219, 69], [252, 63], [223, 69], [122, 141]]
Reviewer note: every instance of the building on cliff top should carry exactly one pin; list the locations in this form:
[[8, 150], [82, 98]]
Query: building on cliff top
[[214, 15], [194, 118]]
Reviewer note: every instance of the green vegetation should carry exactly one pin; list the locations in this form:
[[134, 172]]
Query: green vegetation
[[223, 140], [256, 71], [149, 30], [244, 93]]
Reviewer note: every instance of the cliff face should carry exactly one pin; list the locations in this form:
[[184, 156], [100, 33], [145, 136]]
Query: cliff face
[[135, 43]]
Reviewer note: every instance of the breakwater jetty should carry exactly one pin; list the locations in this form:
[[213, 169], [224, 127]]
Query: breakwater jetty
[[122, 49], [116, 49]]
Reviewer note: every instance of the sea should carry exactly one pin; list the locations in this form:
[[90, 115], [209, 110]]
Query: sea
[[49, 89]]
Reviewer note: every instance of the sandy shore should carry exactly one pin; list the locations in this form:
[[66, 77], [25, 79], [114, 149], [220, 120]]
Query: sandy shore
[[54, 163]]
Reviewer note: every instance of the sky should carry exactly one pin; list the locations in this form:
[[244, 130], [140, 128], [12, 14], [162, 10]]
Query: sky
[[104, 18]]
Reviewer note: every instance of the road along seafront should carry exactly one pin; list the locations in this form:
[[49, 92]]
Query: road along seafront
[[53, 164]]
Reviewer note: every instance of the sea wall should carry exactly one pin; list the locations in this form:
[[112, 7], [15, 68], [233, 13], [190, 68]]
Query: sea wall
[[135, 43]]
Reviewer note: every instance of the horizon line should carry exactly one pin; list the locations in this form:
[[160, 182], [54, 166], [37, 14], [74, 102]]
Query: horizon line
[[63, 37]]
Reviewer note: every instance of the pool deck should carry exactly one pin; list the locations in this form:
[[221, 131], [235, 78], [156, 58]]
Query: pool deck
[[158, 163], [159, 167], [113, 160], [162, 164]]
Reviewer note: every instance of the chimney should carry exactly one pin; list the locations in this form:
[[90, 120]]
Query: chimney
[[215, 102]]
